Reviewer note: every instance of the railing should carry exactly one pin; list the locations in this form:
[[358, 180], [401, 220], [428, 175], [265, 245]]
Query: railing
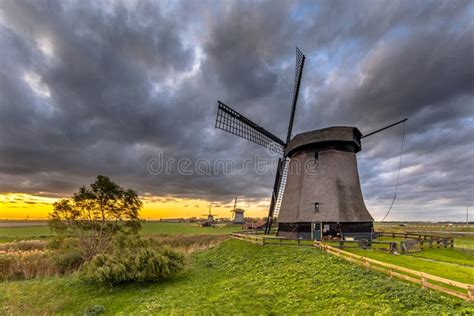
[[451, 287], [442, 284], [271, 240], [421, 239], [387, 246]]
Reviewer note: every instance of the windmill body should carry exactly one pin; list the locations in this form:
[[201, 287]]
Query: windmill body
[[322, 196], [238, 217], [237, 214], [210, 219], [316, 192]]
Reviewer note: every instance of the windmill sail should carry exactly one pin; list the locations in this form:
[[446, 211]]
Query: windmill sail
[[235, 123], [281, 189], [296, 90], [280, 178]]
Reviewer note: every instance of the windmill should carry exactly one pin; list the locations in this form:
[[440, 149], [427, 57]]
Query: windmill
[[238, 214], [210, 218], [327, 202]]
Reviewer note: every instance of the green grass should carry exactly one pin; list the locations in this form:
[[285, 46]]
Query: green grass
[[464, 242], [238, 278], [185, 228], [443, 262], [448, 255], [18, 233]]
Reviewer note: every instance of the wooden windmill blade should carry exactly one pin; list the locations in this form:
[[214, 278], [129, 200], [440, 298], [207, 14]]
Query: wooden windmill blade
[[278, 188], [282, 172], [233, 122], [281, 189], [233, 210], [300, 58]]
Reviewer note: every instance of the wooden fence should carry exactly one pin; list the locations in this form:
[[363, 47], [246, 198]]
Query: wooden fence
[[270, 240], [387, 246], [461, 290], [451, 287], [438, 241]]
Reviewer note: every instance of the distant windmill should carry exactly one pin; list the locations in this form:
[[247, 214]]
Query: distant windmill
[[326, 202], [210, 218], [238, 214]]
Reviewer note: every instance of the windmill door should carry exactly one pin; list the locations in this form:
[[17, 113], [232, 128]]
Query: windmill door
[[316, 231]]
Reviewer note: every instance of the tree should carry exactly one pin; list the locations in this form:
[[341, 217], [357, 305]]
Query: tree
[[95, 214]]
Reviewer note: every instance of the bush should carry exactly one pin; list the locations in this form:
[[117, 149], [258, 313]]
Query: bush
[[60, 243], [95, 310], [67, 262], [133, 261]]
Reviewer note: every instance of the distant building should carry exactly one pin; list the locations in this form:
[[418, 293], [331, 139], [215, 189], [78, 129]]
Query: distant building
[[257, 225], [238, 217]]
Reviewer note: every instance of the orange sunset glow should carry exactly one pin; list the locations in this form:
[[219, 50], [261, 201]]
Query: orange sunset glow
[[27, 206]]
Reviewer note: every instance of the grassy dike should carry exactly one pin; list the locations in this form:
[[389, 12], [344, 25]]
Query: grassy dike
[[238, 277]]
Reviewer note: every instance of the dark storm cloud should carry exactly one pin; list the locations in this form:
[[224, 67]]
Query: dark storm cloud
[[91, 88]]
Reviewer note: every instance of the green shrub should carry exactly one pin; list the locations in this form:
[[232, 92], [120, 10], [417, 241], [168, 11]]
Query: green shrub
[[94, 310], [67, 262], [133, 261]]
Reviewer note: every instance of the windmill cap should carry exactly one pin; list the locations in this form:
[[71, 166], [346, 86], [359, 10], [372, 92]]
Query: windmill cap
[[346, 138], [237, 210]]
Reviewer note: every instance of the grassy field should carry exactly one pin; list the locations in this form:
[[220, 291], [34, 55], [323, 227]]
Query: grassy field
[[238, 277], [18, 233], [464, 242], [448, 255], [448, 263], [185, 228]]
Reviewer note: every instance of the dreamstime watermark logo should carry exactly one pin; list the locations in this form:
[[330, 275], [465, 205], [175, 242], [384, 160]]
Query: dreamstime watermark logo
[[186, 166]]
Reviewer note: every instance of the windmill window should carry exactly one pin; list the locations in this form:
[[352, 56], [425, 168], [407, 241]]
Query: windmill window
[[316, 155], [316, 207]]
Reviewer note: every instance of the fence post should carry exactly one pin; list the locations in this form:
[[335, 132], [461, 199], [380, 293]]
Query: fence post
[[281, 241], [423, 281], [470, 292], [390, 273], [263, 241], [402, 247]]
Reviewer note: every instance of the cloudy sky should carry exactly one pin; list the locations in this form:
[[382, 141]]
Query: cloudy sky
[[105, 87]]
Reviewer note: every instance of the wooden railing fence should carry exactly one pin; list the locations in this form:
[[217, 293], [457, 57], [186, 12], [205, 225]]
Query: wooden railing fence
[[451, 287], [271, 240], [423, 239], [455, 288]]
